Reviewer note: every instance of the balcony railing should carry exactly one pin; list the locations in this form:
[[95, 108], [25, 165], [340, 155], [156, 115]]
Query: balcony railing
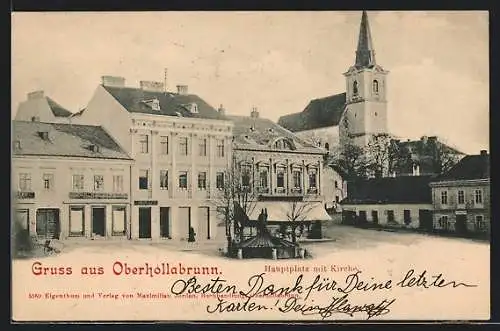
[[263, 189], [312, 190]]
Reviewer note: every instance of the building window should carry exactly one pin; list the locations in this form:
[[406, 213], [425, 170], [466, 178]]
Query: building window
[[443, 222], [219, 180], [280, 178], [478, 197], [444, 197], [183, 145], [375, 86], [355, 88], [24, 182], [118, 220], [461, 197], [202, 180], [337, 199], [312, 179], [143, 179], [203, 147], [164, 179], [48, 181], [78, 182], [245, 175], [220, 148], [164, 145], [480, 224], [336, 184], [263, 178], [144, 143], [98, 182], [297, 175], [117, 183], [76, 221], [183, 179]]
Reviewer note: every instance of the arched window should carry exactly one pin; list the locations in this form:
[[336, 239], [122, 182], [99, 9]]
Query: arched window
[[375, 86], [327, 146], [355, 88]]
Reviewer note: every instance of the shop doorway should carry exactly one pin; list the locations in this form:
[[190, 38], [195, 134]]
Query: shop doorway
[[47, 223], [99, 221], [165, 222], [145, 222]]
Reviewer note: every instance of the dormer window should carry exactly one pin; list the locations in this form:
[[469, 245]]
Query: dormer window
[[94, 148], [194, 108], [44, 135], [155, 104]]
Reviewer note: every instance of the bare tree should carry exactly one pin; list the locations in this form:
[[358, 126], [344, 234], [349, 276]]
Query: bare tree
[[296, 213], [443, 158], [236, 198]]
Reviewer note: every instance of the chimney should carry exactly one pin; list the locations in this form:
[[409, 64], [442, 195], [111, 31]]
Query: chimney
[[254, 113], [182, 89], [484, 152], [152, 86], [114, 81], [35, 95], [221, 110]]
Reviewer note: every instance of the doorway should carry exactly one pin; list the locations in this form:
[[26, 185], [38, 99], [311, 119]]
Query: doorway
[[461, 224], [165, 222], [144, 222], [425, 220], [47, 223], [185, 219], [375, 216], [99, 221], [204, 222]]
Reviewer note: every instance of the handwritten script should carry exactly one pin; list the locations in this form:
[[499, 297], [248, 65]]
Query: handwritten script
[[299, 296]]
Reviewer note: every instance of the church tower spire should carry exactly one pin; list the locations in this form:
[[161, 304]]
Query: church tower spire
[[365, 113], [365, 54]]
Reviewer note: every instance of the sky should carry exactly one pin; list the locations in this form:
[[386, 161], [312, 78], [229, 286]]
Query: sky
[[276, 61]]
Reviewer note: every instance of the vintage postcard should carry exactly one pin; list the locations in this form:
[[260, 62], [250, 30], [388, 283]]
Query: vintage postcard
[[250, 166]]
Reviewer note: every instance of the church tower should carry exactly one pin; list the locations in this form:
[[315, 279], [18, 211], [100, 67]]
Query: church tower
[[366, 91]]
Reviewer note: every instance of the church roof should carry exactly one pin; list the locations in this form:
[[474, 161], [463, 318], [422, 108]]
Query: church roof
[[319, 113]]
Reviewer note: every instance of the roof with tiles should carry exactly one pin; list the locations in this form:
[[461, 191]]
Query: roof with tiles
[[319, 113], [260, 134], [136, 100], [64, 140], [390, 190], [57, 109], [469, 168]]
